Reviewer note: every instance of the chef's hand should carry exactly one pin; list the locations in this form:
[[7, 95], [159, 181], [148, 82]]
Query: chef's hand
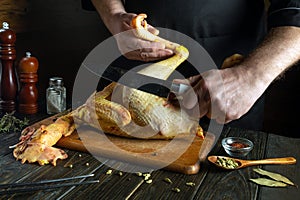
[[135, 48], [223, 95]]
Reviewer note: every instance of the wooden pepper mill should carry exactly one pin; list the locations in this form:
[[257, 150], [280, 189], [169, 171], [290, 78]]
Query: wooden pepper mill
[[9, 85], [28, 95]]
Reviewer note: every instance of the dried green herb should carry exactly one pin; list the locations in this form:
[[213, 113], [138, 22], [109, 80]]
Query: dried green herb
[[168, 180], [139, 173], [190, 184], [9, 123], [268, 182], [176, 190], [109, 172], [272, 175], [149, 181], [146, 176]]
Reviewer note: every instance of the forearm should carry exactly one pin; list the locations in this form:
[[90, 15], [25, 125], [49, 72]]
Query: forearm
[[108, 11], [240, 87], [279, 51]]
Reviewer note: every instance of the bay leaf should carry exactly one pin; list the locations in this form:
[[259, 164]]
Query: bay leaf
[[275, 176], [268, 182]]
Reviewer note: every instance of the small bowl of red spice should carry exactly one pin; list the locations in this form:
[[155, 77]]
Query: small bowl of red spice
[[237, 146]]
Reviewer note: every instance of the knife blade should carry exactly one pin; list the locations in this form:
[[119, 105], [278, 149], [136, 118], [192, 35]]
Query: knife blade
[[133, 79]]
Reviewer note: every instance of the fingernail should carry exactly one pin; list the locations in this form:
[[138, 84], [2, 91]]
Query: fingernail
[[170, 52]]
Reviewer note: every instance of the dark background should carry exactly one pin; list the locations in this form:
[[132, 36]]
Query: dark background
[[60, 34]]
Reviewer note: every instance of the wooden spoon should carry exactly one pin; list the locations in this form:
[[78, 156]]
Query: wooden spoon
[[245, 163]]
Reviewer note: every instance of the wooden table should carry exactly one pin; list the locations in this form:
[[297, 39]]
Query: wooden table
[[210, 182]]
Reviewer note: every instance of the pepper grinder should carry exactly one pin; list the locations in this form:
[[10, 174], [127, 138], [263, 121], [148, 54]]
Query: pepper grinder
[[9, 85], [28, 94]]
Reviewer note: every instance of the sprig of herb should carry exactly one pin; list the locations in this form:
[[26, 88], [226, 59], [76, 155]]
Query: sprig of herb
[[10, 123]]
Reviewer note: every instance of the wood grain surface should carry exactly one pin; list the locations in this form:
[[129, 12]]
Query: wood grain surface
[[210, 182], [180, 154]]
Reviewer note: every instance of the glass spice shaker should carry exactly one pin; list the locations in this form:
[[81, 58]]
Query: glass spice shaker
[[60, 86], [56, 96]]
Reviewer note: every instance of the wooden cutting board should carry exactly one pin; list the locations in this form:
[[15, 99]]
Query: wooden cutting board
[[182, 154]]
